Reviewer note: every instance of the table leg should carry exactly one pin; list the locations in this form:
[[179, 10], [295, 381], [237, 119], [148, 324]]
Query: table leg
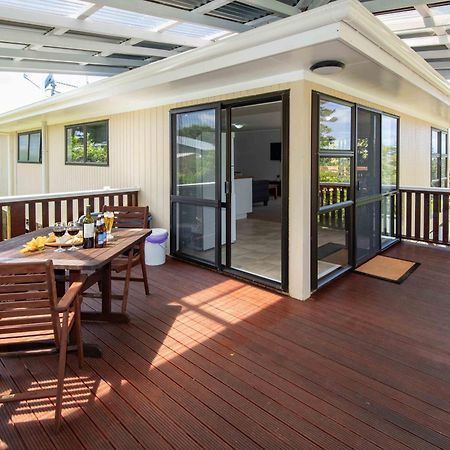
[[106, 315], [90, 350], [60, 276]]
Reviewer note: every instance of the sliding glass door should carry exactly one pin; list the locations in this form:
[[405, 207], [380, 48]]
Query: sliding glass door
[[368, 184], [195, 199], [355, 186], [230, 187], [332, 246]]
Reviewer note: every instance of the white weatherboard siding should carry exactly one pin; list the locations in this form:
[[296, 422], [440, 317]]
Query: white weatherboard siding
[[140, 156]]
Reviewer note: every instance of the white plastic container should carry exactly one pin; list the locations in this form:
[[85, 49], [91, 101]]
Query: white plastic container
[[155, 247]]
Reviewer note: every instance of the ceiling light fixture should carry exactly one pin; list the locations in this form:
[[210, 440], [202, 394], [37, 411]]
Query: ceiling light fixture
[[238, 125], [327, 67]]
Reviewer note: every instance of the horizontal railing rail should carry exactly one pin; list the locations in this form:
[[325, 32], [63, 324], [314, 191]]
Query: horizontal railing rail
[[22, 213], [425, 214], [330, 194]]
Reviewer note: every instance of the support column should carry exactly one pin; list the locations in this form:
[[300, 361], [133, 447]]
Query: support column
[[45, 182], [12, 143]]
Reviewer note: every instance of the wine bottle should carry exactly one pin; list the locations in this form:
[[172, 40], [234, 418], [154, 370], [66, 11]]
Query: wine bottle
[[88, 229]]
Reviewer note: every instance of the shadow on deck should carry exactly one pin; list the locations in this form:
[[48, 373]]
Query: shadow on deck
[[213, 362]]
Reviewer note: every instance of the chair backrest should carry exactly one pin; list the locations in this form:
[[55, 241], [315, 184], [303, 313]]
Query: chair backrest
[[129, 216], [27, 302]]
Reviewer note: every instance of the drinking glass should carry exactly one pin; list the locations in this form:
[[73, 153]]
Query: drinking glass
[[109, 222], [59, 230], [73, 229]]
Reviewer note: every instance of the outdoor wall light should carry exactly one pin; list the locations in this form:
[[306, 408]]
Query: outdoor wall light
[[238, 125], [327, 67]]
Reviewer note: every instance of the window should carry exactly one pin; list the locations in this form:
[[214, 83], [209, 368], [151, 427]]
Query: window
[[87, 144], [30, 148], [439, 159]]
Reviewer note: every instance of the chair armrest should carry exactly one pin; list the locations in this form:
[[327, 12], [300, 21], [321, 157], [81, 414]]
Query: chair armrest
[[68, 298]]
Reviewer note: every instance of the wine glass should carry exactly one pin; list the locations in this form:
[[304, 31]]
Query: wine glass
[[59, 230], [73, 229], [109, 222]]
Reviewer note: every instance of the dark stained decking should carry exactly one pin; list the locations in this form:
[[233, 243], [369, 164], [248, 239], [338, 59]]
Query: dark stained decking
[[212, 362]]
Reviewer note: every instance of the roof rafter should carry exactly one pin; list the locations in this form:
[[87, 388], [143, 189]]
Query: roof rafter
[[57, 67], [69, 57], [36, 38], [110, 29]]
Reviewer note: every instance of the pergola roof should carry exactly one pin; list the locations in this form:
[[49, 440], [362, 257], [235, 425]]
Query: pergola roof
[[106, 37]]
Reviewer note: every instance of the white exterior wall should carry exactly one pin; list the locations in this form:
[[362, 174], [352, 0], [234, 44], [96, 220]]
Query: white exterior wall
[[139, 154]]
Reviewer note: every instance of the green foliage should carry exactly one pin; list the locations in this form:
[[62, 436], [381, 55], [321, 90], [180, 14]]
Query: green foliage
[[203, 133], [326, 138], [197, 166], [95, 152]]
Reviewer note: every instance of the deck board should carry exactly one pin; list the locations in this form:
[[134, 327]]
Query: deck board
[[213, 362]]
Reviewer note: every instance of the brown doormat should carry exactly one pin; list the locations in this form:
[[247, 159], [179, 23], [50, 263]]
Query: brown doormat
[[388, 268]]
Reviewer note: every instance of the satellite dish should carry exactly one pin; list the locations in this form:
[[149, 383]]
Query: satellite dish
[[49, 81]]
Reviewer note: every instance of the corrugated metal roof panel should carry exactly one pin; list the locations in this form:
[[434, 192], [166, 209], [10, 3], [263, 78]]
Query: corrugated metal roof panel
[[182, 4], [157, 45], [239, 12]]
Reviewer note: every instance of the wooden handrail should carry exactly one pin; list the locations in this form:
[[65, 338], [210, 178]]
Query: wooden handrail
[[22, 213]]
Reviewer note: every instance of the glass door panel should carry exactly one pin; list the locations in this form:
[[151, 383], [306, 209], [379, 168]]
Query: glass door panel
[[195, 231], [388, 220], [255, 200], [332, 241], [195, 154], [335, 199], [389, 151], [195, 184], [368, 184]]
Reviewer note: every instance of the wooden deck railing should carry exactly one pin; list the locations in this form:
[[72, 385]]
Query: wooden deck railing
[[22, 213], [425, 214], [330, 194]]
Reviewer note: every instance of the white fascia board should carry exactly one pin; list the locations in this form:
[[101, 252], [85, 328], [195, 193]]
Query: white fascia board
[[372, 29], [381, 57]]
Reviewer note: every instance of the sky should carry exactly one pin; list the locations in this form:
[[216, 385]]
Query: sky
[[17, 91]]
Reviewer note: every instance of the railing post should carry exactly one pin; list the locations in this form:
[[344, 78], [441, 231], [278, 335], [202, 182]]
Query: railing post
[[17, 219]]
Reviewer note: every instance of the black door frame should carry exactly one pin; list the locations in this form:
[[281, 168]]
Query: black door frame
[[224, 266], [315, 183], [177, 199]]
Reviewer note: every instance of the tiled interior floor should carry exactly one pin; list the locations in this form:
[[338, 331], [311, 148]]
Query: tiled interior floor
[[258, 248]]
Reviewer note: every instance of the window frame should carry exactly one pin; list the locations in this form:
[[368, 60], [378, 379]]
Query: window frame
[[29, 133], [84, 125], [439, 156]]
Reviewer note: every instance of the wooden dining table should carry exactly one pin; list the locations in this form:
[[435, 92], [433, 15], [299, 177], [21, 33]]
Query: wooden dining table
[[95, 262]]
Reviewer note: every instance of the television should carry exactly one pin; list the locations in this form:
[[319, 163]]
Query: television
[[275, 151]]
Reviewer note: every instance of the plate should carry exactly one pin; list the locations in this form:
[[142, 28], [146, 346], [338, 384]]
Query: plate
[[66, 244]]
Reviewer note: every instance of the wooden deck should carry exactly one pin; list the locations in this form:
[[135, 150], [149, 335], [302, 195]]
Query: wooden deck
[[211, 362]]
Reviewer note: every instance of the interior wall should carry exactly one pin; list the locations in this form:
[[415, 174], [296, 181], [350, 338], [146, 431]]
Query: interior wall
[[254, 145]]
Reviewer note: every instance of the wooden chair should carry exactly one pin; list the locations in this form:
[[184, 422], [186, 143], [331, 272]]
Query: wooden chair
[[30, 314], [129, 217]]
